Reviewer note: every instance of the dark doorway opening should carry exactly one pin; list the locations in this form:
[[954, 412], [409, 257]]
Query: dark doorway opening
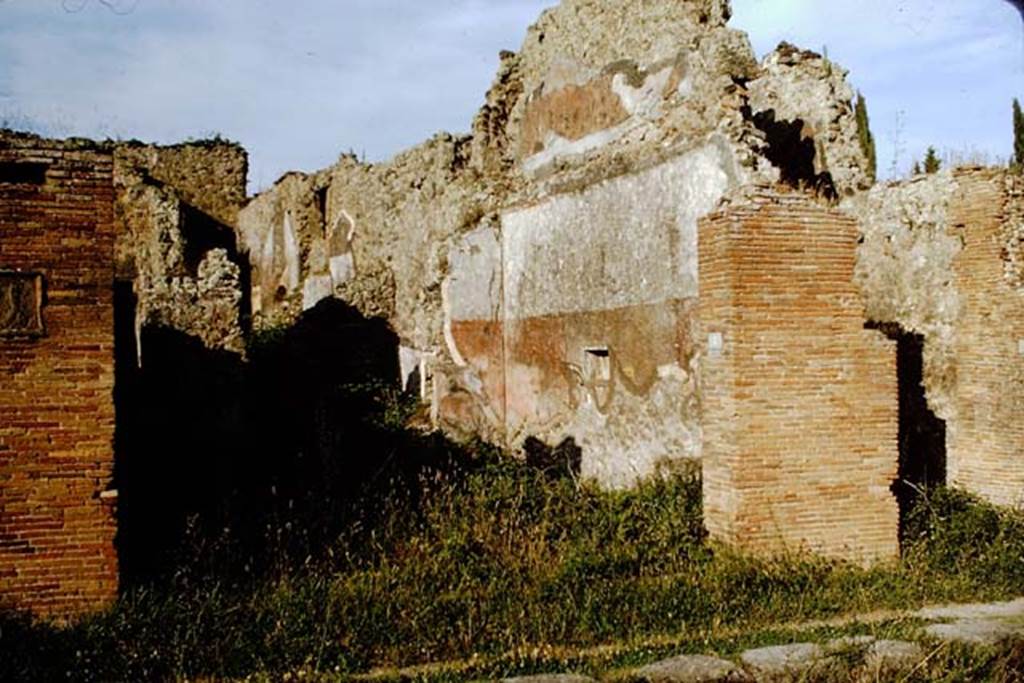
[[922, 435]]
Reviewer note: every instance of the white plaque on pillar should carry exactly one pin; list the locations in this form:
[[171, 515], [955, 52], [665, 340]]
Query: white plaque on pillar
[[715, 344]]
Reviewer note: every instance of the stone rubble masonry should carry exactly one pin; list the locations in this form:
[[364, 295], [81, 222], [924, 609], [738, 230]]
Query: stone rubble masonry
[[799, 400], [903, 270], [56, 405], [172, 201], [799, 85], [209, 175]]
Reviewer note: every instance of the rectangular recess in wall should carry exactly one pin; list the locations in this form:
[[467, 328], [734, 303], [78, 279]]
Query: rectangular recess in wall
[[21, 304], [22, 173], [597, 363]]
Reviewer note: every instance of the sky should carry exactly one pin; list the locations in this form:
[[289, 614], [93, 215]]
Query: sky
[[297, 82]]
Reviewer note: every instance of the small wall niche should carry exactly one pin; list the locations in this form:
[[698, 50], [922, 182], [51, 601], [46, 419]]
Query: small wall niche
[[22, 173], [21, 304], [597, 363]]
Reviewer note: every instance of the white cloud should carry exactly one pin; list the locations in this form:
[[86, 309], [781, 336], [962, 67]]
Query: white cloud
[[297, 83]]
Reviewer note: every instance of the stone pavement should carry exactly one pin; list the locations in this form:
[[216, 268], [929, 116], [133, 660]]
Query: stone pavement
[[865, 657]]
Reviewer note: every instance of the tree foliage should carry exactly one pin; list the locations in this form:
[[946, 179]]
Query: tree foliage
[[932, 163], [867, 140], [1018, 136]]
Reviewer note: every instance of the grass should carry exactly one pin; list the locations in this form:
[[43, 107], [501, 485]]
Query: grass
[[516, 569]]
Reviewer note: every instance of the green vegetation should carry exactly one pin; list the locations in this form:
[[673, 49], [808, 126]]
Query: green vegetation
[[516, 566], [492, 567], [1018, 137], [866, 138], [932, 163]]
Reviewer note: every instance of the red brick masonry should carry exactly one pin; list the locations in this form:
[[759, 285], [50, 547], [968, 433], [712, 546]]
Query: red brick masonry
[[800, 404], [57, 552]]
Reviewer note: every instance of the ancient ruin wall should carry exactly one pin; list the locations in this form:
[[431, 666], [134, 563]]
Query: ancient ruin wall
[[805, 99], [904, 262], [800, 404], [593, 75], [940, 257], [602, 98], [599, 292], [209, 175], [56, 405], [985, 438], [176, 211], [375, 235]]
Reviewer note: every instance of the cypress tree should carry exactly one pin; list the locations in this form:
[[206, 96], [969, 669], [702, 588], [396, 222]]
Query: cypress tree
[[867, 140], [1018, 136], [931, 161]]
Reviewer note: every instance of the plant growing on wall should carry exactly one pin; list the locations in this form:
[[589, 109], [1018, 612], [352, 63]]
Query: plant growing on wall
[[867, 140]]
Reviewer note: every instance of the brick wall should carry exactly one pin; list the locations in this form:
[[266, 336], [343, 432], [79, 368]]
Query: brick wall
[[56, 408], [986, 437], [800, 402]]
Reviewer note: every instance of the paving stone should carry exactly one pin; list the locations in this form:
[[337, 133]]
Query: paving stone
[[692, 669], [976, 631], [769, 663], [887, 660], [849, 643], [550, 678], [895, 649], [992, 610]]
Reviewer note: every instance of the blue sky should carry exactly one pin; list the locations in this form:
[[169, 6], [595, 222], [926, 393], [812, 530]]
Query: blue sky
[[298, 82]]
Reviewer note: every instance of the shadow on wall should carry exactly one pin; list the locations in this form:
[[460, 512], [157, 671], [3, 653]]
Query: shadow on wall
[[792, 150], [922, 435], [202, 233], [217, 454]]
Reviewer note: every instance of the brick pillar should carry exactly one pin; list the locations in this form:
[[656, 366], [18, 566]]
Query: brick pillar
[[799, 400], [57, 522]]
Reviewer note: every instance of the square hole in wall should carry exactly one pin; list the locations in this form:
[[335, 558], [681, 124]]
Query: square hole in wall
[[22, 173], [597, 363], [21, 304]]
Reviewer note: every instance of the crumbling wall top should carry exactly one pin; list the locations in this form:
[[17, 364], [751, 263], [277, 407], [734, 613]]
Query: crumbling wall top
[[209, 175], [809, 90], [13, 139], [578, 38]]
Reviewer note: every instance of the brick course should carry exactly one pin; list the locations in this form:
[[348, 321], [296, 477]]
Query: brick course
[[800, 404], [986, 437], [57, 552]]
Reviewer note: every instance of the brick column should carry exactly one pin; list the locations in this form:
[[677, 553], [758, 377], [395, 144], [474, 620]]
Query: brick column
[[799, 400]]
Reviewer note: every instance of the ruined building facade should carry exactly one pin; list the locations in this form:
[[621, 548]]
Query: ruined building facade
[[94, 238], [652, 244]]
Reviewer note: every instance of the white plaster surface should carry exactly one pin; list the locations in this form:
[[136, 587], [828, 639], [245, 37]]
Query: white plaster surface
[[627, 241], [474, 283]]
